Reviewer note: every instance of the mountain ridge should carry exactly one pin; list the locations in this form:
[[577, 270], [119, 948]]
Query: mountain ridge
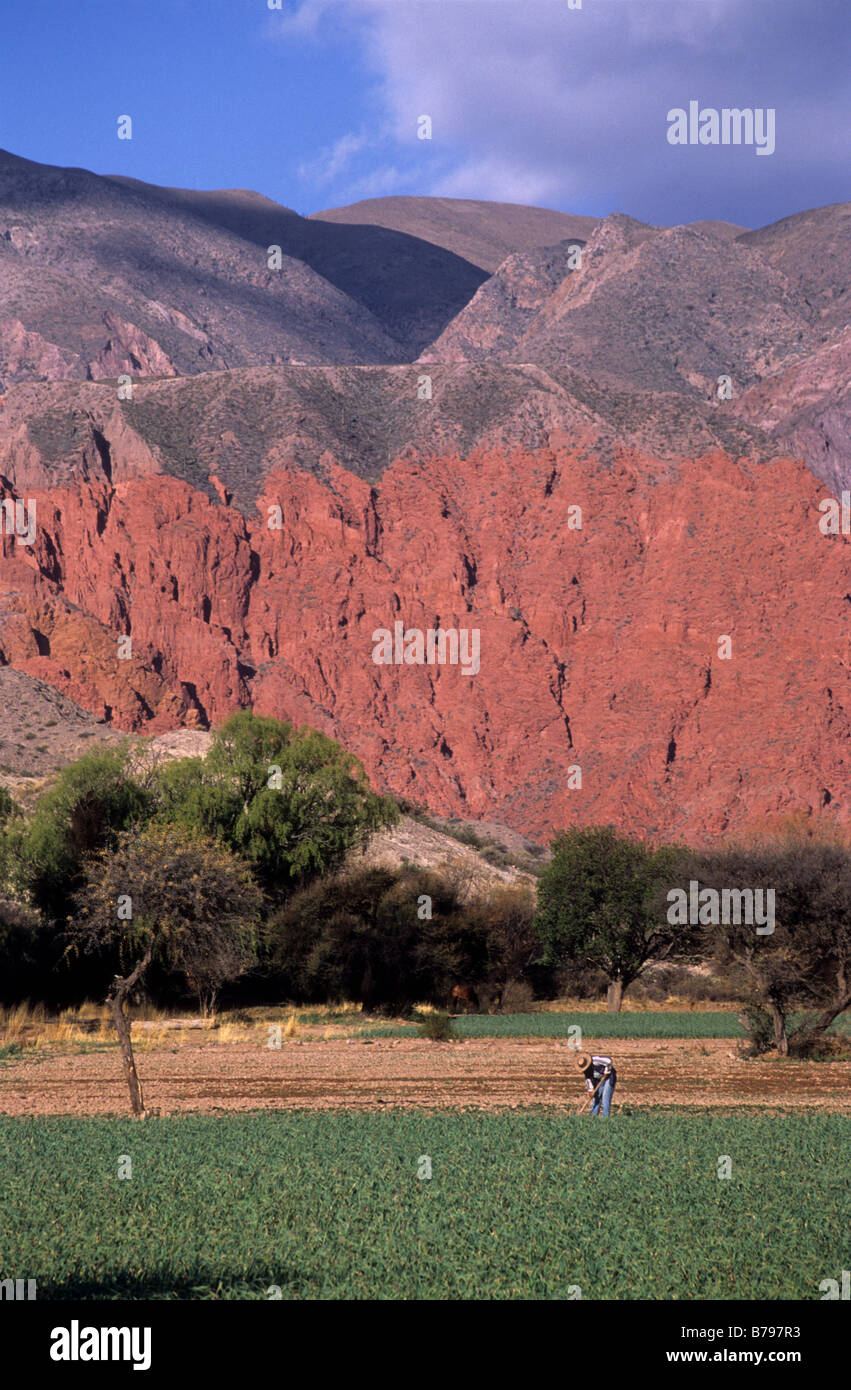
[[250, 519]]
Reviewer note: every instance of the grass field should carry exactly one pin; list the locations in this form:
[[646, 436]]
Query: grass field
[[524, 1205], [658, 1024], [599, 1025]]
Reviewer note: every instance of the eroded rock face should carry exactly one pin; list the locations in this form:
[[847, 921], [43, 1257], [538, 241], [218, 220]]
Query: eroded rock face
[[601, 647], [26, 355], [129, 350], [806, 408], [676, 665]]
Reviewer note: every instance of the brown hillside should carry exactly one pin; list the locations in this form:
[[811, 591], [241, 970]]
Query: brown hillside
[[480, 232]]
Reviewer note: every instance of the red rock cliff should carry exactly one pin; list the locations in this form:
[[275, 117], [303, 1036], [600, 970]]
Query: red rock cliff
[[599, 646]]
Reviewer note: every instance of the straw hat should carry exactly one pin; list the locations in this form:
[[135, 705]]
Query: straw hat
[[583, 1061]]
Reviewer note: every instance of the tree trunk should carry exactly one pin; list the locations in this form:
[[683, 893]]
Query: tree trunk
[[131, 1076], [614, 996], [824, 1019], [121, 988], [781, 1041], [207, 1001]]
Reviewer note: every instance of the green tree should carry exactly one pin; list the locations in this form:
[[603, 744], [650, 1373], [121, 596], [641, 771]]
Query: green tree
[[169, 896], [601, 904], [91, 802], [10, 817], [290, 801], [386, 938]]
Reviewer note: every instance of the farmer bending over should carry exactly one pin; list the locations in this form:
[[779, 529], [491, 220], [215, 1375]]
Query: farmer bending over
[[600, 1079]]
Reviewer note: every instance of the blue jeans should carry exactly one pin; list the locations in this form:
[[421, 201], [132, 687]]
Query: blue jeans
[[602, 1102]]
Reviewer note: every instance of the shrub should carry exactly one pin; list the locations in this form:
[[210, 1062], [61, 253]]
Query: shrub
[[759, 1027], [437, 1027], [517, 997], [464, 834], [359, 936], [827, 1048]]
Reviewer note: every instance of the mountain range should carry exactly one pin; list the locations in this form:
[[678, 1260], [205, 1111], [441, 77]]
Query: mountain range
[[399, 411]]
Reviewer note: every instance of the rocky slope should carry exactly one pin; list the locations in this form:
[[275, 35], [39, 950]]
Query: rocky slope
[[679, 311], [482, 233], [649, 308], [188, 277], [599, 647], [678, 663]]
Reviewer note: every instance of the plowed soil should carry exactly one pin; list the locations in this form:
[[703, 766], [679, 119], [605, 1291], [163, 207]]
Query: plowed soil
[[487, 1074]]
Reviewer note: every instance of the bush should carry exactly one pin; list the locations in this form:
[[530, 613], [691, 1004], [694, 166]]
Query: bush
[[465, 835], [518, 997], [33, 963], [360, 937], [578, 982], [827, 1048], [759, 1027], [500, 858], [437, 1027]]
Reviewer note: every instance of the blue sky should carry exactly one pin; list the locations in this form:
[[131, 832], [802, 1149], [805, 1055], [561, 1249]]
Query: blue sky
[[316, 104]]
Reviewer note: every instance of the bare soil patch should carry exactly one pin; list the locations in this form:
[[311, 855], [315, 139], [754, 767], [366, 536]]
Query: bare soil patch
[[487, 1074]]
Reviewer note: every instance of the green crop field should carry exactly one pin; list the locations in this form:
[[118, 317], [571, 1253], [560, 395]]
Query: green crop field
[[600, 1025], [523, 1205], [594, 1025]]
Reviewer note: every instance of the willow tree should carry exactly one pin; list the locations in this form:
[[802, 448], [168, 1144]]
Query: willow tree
[[289, 800]]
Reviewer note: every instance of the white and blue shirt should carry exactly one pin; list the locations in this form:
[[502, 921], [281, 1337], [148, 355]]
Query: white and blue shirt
[[600, 1067]]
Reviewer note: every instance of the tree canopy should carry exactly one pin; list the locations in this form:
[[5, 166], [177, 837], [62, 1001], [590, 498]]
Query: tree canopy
[[290, 801], [805, 961], [601, 905], [91, 802]]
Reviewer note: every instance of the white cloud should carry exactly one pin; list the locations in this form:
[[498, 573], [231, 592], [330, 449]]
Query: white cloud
[[532, 101], [333, 161], [517, 183]]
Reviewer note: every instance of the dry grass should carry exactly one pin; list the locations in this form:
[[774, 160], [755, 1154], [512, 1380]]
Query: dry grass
[[35, 1030], [32, 1026], [675, 1003]]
